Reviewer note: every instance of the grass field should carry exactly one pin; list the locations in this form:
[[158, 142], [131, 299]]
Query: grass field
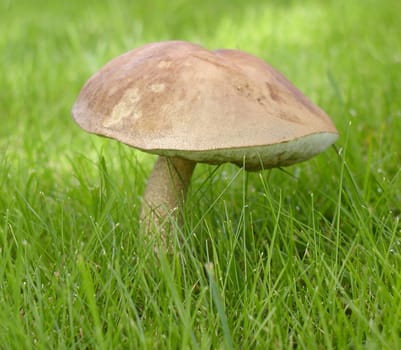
[[307, 258]]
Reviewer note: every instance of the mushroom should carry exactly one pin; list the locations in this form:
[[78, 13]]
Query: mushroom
[[191, 105]]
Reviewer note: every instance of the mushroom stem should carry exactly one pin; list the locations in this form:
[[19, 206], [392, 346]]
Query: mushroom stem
[[165, 191]]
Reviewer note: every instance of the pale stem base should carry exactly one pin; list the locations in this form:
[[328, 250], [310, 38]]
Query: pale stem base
[[165, 193]]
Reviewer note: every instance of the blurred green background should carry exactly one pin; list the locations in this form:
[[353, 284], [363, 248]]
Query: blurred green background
[[343, 54]]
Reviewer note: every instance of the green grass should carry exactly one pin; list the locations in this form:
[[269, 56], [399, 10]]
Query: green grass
[[307, 258]]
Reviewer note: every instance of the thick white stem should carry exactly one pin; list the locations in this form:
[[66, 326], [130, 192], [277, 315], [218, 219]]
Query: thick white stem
[[165, 191]]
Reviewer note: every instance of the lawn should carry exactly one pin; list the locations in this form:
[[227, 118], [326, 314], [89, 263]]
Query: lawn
[[304, 257]]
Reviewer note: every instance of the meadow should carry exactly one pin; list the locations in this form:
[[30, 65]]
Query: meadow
[[305, 257]]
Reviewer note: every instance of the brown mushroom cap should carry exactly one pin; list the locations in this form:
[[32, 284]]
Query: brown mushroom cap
[[178, 99]]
